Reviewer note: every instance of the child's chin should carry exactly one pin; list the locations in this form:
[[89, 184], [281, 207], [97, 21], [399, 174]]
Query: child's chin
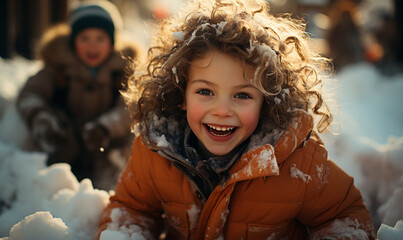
[[92, 63], [220, 152]]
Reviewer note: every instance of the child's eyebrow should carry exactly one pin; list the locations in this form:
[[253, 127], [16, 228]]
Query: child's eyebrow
[[242, 86], [245, 86], [202, 81]]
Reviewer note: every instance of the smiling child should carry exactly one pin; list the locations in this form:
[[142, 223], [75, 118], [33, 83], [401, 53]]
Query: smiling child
[[227, 147], [72, 106]]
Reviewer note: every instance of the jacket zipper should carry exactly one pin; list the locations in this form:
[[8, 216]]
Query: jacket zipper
[[190, 172]]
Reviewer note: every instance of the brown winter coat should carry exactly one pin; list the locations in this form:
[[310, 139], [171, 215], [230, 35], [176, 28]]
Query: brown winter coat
[[289, 191], [64, 81]]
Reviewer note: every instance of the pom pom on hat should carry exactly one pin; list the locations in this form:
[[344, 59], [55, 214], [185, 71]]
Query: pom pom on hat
[[98, 14]]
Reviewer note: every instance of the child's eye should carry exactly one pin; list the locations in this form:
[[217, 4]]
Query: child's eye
[[101, 39], [83, 39], [205, 92], [243, 96]]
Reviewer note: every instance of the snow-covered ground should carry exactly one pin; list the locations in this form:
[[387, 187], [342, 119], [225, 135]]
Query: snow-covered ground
[[369, 119], [39, 202]]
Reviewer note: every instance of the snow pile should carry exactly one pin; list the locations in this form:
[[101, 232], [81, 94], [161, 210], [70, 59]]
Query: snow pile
[[41, 225], [370, 104], [391, 233], [13, 75], [120, 228], [370, 144], [115, 235], [51, 197]]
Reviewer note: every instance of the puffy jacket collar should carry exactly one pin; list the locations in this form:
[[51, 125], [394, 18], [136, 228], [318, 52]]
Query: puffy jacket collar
[[264, 160], [260, 158], [168, 135]]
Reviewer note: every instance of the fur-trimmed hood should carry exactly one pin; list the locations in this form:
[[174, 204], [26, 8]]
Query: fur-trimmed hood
[[55, 49]]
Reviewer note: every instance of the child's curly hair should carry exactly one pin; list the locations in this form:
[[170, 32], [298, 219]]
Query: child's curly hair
[[287, 69]]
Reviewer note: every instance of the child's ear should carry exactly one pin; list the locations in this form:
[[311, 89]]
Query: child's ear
[[184, 107]]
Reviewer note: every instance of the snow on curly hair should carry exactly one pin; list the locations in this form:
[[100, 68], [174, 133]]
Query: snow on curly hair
[[287, 69]]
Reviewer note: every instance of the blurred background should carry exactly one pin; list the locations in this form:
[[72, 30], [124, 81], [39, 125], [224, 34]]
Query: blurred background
[[347, 31], [362, 37]]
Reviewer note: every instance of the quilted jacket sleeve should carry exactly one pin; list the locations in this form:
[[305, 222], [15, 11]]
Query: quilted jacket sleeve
[[333, 207], [135, 208], [35, 94]]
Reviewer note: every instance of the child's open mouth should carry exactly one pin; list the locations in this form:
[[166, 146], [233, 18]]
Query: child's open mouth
[[93, 56], [220, 131]]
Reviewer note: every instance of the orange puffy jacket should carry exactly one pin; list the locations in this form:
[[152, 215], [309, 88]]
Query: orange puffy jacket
[[289, 191]]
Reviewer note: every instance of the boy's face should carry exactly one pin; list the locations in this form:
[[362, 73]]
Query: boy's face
[[222, 107], [93, 46]]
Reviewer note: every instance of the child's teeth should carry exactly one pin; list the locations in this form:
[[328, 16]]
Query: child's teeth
[[218, 128]]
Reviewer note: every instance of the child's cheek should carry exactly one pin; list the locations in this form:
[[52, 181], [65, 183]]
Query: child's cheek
[[195, 113], [250, 119]]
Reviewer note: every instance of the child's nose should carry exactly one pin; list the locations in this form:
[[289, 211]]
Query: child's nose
[[92, 44], [222, 108]]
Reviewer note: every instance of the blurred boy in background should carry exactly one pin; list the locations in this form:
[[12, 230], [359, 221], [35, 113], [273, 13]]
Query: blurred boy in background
[[73, 106]]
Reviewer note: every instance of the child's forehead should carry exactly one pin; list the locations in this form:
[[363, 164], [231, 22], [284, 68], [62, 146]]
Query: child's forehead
[[93, 31], [217, 55], [218, 62]]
